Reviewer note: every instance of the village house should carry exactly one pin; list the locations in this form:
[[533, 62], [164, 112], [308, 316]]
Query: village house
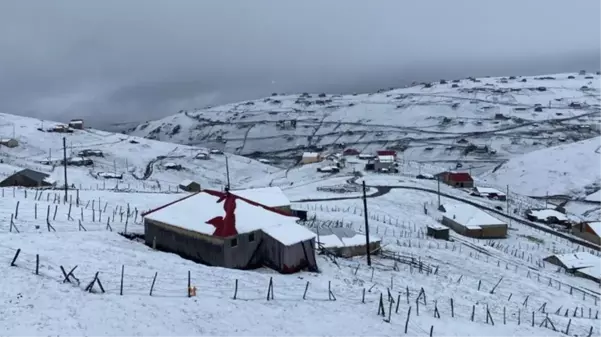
[[456, 179], [28, 178], [386, 153], [76, 124], [489, 192], [582, 264], [9, 142], [590, 231], [189, 186], [472, 222], [310, 157], [547, 216], [345, 242], [224, 229], [366, 156], [351, 152], [385, 162]]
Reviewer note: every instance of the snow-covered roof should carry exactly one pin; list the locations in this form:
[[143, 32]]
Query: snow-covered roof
[[6, 140], [310, 154], [186, 182], [193, 212], [470, 216], [488, 190], [593, 271], [386, 158], [544, 214], [578, 260], [49, 180], [269, 196], [341, 237], [170, 164], [596, 227]]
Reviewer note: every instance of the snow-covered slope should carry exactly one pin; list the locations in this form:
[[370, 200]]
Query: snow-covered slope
[[434, 122], [570, 169], [144, 163]]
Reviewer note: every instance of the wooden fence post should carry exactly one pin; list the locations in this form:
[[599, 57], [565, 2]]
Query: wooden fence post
[[153, 280], [121, 287]]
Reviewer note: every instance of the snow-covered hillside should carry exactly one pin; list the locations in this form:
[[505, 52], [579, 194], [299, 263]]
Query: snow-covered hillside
[[479, 122], [458, 279], [145, 164], [568, 169]]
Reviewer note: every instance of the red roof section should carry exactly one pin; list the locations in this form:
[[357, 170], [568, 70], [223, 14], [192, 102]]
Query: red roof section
[[460, 176], [386, 153], [224, 225]]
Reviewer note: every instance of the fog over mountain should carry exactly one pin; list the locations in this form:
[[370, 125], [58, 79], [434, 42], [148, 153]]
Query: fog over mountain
[[112, 61]]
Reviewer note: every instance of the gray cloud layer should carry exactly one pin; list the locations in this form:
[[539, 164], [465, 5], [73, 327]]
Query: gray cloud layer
[[112, 61]]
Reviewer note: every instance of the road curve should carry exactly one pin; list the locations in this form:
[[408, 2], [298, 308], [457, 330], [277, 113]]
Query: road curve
[[382, 190]]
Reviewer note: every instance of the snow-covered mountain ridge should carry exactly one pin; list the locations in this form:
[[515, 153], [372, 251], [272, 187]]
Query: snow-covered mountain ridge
[[479, 123]]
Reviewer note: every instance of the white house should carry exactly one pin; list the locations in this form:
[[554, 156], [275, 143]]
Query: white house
[[310, 157], [471, 221]]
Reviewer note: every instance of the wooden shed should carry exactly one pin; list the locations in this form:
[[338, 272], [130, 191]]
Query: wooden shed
[[189, 186], [438, 232], [227, 230]]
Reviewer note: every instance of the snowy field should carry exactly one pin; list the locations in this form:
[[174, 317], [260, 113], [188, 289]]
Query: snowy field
[[457, 269]]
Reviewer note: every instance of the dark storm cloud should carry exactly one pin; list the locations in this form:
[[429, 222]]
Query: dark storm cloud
[[134, 60]]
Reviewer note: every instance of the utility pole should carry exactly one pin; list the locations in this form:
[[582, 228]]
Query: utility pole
[[65, 166], [227, 174], [366, 225], [507, 198], [438, 180]]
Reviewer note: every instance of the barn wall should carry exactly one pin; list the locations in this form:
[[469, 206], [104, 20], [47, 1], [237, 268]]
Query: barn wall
[[19, 180], [294, 258], [499, 231], [457, 227], [288, 259], [191, 245], [586, 236], [241, 256]]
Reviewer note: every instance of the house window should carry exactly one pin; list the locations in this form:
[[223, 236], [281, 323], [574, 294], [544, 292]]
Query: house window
[[234, 243], [251, 237]]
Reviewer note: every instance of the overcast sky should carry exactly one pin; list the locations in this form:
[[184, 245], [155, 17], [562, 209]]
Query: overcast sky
[[133, 60]]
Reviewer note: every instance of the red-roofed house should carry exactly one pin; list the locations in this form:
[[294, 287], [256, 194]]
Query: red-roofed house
[[387, 153], [227, 230], [457, 179]]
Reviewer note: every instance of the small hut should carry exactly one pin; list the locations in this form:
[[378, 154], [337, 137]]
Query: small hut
[[189, 186], [438, 232]]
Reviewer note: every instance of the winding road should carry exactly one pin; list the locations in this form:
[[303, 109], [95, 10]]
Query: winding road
[[382, 190]]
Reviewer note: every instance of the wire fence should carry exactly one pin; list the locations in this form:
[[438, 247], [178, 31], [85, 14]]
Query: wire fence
[[393, 301]]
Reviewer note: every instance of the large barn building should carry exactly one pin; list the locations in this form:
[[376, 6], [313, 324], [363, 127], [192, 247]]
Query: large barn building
[[470, 221], [227, 230], [28, 178], [456, 179]]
